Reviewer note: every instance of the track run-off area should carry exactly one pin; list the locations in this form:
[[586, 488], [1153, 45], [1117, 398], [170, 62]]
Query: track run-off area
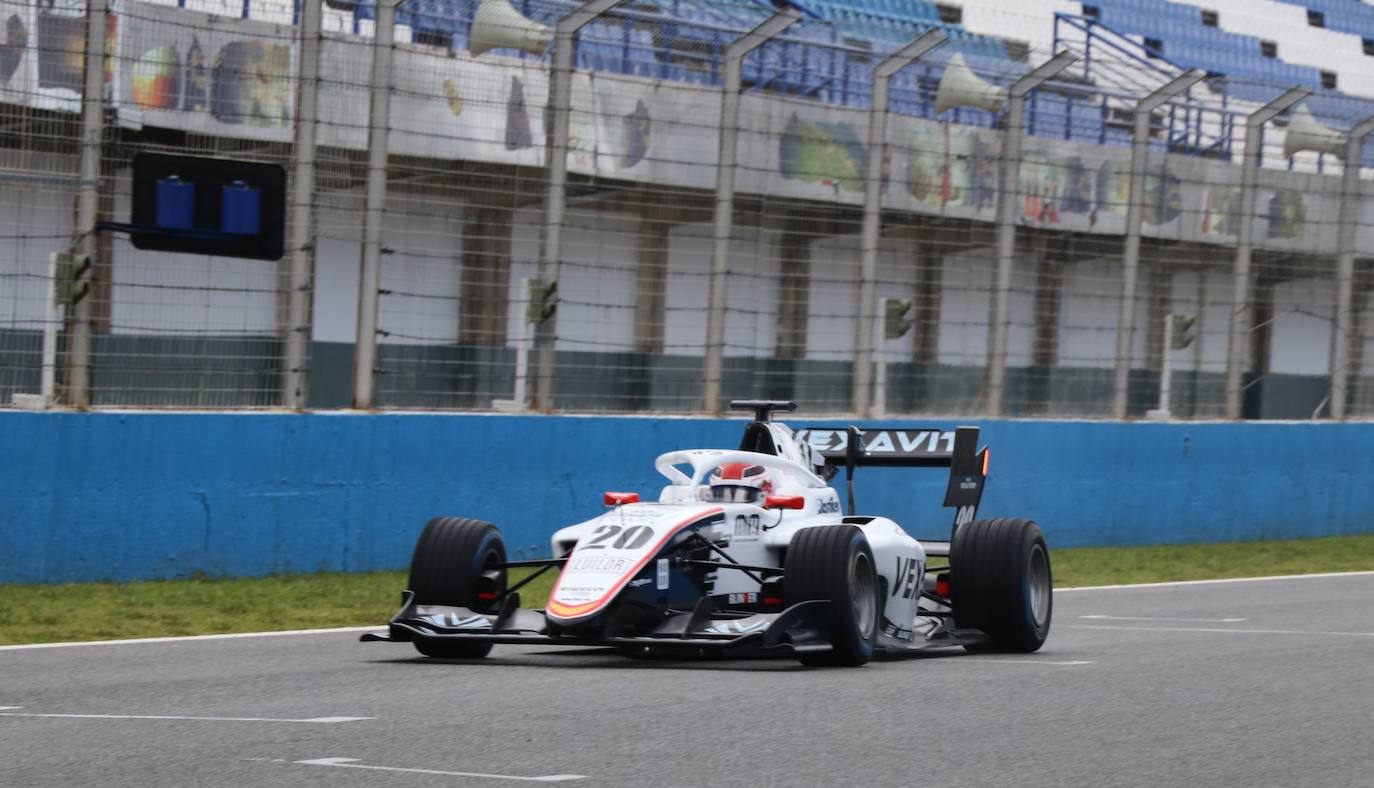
[[1255, 682]]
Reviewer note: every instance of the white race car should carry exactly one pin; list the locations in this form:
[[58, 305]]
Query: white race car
[[748, 551]]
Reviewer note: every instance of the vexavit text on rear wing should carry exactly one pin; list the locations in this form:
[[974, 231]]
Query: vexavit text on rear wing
[[904, 447]]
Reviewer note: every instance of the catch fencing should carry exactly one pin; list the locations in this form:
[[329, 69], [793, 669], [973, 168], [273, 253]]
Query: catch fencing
[[670, 206]]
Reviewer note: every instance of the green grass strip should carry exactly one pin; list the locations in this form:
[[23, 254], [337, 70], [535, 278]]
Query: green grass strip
[[107, 611], [1101, 566]]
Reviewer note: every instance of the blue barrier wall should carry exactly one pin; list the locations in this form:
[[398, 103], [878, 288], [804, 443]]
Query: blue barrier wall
[[131, 495]]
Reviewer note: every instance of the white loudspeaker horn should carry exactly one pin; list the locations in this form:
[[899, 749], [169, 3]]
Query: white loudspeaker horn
[[960, 87], [1305, 132], [498, 25]]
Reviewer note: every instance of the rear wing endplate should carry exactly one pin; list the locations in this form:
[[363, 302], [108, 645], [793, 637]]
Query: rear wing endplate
[[890, 447]]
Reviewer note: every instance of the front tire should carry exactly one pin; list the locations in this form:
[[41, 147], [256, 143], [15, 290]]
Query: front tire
[[1001, 583], [457, 562], [835, 563]]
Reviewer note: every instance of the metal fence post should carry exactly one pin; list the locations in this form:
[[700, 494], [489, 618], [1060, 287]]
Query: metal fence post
[[1006, 223], [714, 362], [1351, 203], [378, 135], [302, 208], [555, 199], [1240, 294], [866, 315], [1130, 261], [88, 199]]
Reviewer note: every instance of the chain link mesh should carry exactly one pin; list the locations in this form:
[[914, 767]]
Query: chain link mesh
[[465, 215]]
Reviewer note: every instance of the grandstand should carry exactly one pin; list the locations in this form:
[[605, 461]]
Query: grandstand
[[178, 331], [1248, 46]]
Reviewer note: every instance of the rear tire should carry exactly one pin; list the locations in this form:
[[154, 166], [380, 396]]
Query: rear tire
[[455, 560], [835, 563], [1001, 583]]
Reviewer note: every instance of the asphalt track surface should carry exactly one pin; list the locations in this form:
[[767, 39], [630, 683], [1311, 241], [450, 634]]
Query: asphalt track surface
[[1261, 683]]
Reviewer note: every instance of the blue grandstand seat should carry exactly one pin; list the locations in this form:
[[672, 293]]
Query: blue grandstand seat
[[1346, 16], [1187, 43]]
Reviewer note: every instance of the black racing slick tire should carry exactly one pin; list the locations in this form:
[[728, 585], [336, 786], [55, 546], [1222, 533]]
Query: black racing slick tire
[[1000, 583], [457, 562], [835, 563]]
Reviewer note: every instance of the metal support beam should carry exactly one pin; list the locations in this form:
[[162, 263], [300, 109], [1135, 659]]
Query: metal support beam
[[724, 217], [725, 199], [302, 208], [866, 315], [88, 199], [651, 276], [1006, 223], [794, 284], [1351, 203], [557, 122], [378, 135], [1130, 261], [1249, 175], [927, 297]]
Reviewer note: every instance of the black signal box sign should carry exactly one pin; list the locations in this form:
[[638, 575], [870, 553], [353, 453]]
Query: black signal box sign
[[199, 205]]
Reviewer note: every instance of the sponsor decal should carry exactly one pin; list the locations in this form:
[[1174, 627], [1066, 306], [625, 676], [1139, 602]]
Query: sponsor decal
[[662, 584], [892, 630], [641, 581], [736, 627], [964, 515], [598, 565], [455, 621], [828, 506], [905, 582], [576, 594], [747, 528], [892, 443], [746, 598]]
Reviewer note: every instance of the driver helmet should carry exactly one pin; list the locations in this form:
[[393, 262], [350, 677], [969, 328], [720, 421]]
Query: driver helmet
[[739, 482]]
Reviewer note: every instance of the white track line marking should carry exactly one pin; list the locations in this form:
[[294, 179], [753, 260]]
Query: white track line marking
[[1226, 631], [350, 763], [1153, 618], [190, 638], [1222, 580], [10, 708], [1024, 661], [317, 720]]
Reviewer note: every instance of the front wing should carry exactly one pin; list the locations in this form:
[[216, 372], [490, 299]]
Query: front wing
[[801, 628]]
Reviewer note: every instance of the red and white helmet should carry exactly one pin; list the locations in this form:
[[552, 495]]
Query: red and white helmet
[[739, 482]]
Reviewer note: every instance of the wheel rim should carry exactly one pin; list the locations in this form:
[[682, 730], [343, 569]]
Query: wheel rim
[[864, 591], [1039, 585]]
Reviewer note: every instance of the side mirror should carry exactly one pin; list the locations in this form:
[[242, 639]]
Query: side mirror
[[618, 498], [784, 502]]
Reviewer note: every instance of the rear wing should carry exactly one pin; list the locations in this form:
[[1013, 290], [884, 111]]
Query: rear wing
[[889, 447]]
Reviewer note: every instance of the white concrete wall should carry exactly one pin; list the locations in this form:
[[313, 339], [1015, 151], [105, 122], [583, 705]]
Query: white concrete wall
[[751, 286], [173, 294], [964, 306], [596, 287], [1304, 316], [424, 240], [1088, 314], [337, 259], [1207, 296], [35, 220]]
